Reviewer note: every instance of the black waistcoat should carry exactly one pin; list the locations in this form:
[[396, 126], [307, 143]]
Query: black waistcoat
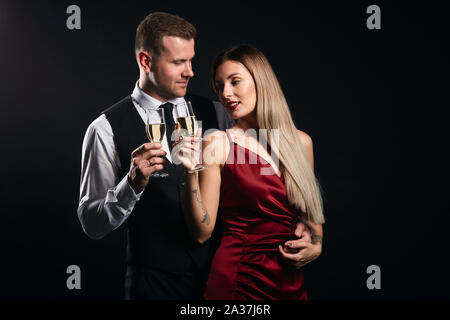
[[156, 229]]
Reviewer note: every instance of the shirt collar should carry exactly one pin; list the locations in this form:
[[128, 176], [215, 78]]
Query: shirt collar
[[146, 101]]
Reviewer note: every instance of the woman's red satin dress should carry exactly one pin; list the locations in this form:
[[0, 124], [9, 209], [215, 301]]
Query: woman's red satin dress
[[256, 219]]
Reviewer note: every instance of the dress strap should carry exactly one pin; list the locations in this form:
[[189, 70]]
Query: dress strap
[[229, 137], [231, 144]]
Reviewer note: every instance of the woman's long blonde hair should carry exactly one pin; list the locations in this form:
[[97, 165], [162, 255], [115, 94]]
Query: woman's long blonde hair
[[272, 112]]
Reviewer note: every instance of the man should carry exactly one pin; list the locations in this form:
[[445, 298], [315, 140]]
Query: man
[[163, 262]]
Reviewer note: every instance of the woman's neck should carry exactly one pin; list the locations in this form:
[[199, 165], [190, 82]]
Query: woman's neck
[[248, 122]]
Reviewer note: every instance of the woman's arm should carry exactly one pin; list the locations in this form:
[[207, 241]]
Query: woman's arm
[[203, 189]]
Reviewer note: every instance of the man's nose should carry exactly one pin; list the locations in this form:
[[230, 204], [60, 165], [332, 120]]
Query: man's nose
[[188, 72]]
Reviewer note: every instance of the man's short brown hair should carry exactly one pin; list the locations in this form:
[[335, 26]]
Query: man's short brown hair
[[155, 26]]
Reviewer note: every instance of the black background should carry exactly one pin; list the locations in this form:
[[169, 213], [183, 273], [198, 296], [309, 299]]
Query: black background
[[372, 101]]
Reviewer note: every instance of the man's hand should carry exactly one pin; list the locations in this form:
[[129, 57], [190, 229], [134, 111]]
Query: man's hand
[[144, 161], [301, 251], [307, 252]]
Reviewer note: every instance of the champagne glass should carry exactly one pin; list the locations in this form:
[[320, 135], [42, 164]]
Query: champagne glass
[[189, 127], [155, 128]]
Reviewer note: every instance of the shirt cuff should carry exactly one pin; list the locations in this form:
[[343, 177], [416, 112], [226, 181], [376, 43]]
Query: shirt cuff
[[123, 194]]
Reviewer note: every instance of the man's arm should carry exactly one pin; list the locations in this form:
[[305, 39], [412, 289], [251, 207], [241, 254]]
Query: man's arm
[[106, 200]]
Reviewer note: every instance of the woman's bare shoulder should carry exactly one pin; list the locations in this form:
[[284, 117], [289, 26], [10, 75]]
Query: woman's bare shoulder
[[308, 146], [215, 147], [216, 136], [305, 138]]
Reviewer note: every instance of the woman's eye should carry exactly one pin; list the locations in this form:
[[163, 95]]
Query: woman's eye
[[235, 82]]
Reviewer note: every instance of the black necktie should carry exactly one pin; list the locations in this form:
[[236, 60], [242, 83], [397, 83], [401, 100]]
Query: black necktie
[[170, 124]]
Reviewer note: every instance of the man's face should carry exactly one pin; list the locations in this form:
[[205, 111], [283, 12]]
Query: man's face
[[171, 70]]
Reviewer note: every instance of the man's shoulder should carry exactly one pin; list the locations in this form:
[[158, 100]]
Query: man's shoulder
[[118, 106], [200, 104], [198, 99], [101, 126]]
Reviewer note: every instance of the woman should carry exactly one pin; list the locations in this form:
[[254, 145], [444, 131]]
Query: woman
[[259, 211]]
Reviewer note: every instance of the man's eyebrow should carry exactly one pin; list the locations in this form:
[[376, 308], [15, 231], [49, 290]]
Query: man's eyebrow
[[183, 59]]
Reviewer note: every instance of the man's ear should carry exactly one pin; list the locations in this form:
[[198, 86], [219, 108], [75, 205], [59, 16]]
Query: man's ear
[[144, 61]]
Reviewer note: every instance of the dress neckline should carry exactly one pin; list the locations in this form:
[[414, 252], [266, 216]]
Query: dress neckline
[[258, 155]]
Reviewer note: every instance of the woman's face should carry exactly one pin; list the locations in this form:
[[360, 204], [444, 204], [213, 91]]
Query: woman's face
[[236, 89]]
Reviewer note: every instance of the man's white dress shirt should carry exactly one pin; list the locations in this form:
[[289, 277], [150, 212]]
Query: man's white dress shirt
[[106, 200]]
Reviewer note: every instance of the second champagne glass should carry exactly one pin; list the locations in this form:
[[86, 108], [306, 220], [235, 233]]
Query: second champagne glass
[[155, 128], [189, 126]]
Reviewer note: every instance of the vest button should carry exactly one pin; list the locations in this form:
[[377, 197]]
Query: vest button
[[182, 183]]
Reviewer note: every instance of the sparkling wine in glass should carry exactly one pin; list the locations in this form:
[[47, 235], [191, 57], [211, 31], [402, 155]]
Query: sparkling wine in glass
[[189, 126], [155, 128]]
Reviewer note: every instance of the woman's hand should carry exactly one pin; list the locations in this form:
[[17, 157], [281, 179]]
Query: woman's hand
[[186, 150]]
